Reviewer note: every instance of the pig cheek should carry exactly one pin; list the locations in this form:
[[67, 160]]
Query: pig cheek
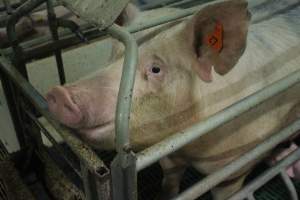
[[99, 107], [97, 102], [155, 82]]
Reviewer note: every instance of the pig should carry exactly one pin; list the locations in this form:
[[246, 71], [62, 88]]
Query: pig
[[189, 70]]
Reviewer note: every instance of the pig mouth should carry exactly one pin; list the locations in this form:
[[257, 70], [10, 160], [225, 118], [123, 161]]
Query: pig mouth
[[108, 126], [97, 134]]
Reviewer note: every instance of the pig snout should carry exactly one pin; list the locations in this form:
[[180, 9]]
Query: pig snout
[[82, 107], [64, 108]]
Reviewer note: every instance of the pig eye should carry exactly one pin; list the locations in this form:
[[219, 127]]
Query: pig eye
[[155, 69]]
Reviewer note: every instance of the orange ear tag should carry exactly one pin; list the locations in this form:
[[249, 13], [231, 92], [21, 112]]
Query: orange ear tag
[[215, 39]]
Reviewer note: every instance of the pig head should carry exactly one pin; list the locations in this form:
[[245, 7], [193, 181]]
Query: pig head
[[166, 96]]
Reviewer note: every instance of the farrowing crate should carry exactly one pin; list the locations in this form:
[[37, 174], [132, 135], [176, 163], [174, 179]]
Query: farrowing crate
[[119, 181]]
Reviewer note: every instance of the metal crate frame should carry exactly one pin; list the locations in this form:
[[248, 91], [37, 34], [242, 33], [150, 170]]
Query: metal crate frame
[[127, 164]]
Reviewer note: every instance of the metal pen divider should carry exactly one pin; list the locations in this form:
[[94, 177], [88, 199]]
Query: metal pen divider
[[125, 163], [212, 180]]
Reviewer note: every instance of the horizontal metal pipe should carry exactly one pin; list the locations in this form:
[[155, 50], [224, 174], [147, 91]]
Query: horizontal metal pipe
[[83, 151], [178, 140], [266, 176], [126, 85], [214, 179]]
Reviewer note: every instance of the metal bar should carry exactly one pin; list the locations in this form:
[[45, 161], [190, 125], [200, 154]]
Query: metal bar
[[96, 183], [126, 86], [178, 140], [53, 29], [23, 10], [177, 14], [179, 3], [14, 5], [267, 176], [157, 4], [187, 2], [83, 151], [124, 175], [214, 179], [13, 109], [87, 185], [8, 7], [289, 184]]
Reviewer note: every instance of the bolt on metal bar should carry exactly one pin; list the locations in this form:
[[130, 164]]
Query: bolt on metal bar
[[289, 184], [266, 176], [83, 151], [126, 86], [178, 140], [214, 179]]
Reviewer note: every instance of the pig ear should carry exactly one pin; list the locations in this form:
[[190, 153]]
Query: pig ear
[[218, 36], [127, 15]]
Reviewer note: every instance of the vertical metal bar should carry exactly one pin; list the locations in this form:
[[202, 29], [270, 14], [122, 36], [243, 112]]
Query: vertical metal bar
[[12, 106], [96, 183], [126, 86], [87, 184], [53, 25], [290, 186], [23, 10], [124, 175]]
